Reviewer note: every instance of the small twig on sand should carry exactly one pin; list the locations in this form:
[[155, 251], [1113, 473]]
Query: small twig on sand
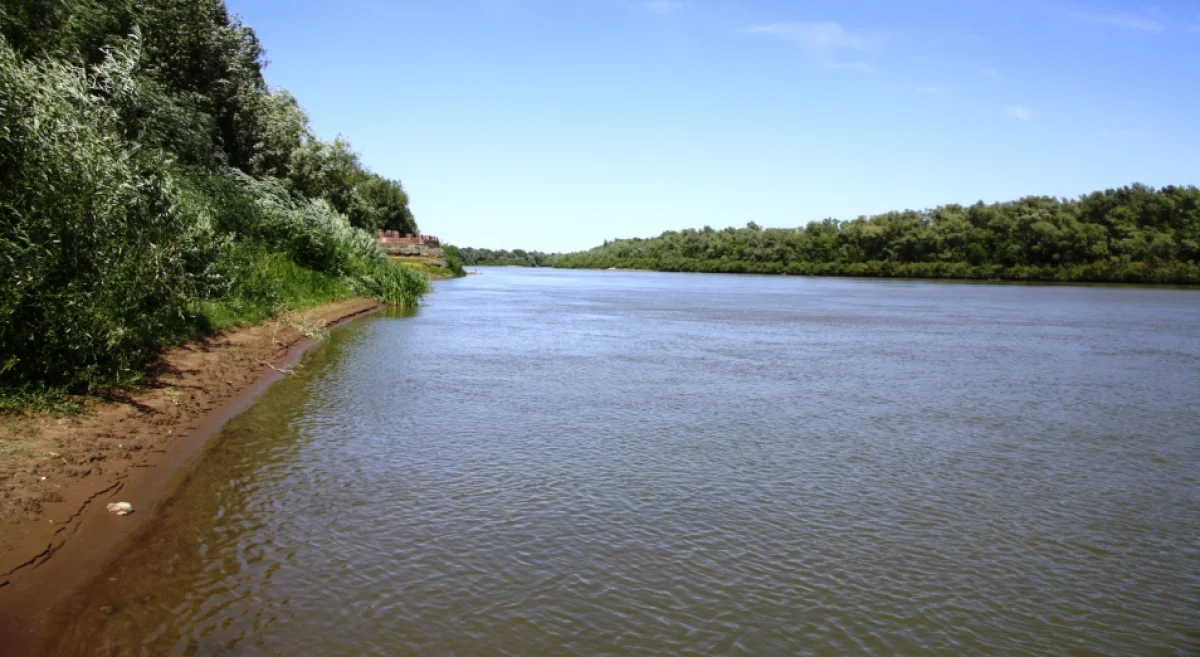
[[281, 370]]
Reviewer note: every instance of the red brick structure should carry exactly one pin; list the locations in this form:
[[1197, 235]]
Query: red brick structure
[[396, 244], [386, 238]]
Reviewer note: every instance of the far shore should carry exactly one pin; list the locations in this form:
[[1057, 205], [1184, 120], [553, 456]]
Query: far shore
[[894, 279]]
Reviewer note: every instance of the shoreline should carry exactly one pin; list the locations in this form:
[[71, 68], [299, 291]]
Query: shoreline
[[908, 278], [898, 279], [56, 535]]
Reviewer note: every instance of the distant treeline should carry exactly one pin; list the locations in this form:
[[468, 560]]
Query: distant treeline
[[502, 258], [1134, 234], [152, 187]]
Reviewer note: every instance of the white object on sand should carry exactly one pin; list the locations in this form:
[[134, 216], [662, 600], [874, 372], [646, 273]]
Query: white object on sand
[[120, 508]]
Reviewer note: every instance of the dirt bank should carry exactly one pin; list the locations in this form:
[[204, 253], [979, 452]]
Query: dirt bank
[[58, 473]]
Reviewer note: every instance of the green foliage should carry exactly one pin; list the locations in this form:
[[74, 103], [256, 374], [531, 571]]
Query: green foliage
[[151, 186], [263, 282], [502, 258], [38, 398], [389, 282], [72, 30], [454, 262], [310, 231], [97, 257], [331, 171], [428, 268], [384, 205], [283, 129], [1134, 234]]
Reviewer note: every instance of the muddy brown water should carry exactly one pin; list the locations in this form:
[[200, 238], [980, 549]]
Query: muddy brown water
[[617, 463]]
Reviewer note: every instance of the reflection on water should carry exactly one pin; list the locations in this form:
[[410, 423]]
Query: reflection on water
[[629, 463]]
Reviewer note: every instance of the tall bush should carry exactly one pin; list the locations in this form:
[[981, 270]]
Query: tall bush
[[99, 263]]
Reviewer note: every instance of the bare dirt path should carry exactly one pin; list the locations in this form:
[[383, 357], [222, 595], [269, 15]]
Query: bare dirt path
[[58, 473]]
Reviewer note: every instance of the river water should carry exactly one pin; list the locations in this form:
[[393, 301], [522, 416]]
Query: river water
[[543, 462]]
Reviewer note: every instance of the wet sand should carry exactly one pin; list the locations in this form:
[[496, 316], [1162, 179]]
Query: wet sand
[[59, 473]]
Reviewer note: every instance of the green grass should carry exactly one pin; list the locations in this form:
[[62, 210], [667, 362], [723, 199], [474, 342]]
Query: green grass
[[427, 268], [38, 399], [265, 284], [270, 283]]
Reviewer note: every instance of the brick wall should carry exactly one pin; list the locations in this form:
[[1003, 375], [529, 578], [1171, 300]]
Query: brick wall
[[386, 238]]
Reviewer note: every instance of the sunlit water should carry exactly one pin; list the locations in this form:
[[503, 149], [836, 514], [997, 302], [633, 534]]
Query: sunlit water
[[604, 463]]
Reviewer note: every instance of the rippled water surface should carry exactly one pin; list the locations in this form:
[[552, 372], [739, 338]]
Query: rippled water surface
[[604, 463]]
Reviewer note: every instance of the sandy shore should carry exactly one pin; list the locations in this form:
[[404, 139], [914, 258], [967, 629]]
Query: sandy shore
[[57, 474]]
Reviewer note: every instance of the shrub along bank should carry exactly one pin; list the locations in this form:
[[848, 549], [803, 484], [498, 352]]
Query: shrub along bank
[[152, 188], [504, 258]]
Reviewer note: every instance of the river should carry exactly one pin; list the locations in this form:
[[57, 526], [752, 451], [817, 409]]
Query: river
[[542, 462]]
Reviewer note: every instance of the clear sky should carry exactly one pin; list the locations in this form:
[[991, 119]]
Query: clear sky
[[555, 124]]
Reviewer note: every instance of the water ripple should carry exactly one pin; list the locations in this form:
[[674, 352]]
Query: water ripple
[[636, 464]]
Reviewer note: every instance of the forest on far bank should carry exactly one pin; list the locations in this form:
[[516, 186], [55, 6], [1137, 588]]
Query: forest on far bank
[[1135, 234], [504, 258]]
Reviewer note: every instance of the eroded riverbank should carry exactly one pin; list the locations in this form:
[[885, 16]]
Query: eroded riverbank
[[59, 472]]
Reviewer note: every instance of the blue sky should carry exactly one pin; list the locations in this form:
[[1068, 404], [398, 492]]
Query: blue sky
[[556, 124]]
